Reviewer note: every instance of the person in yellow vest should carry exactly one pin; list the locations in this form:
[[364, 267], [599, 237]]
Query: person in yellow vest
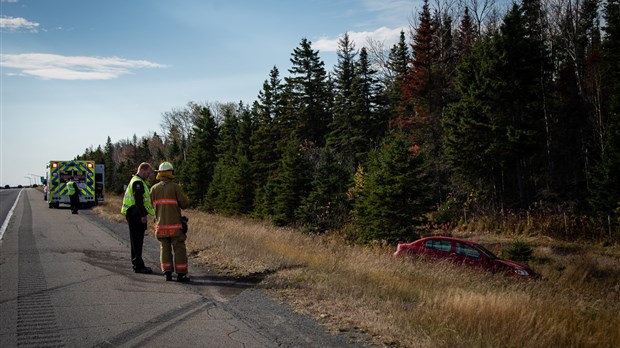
[[74, 195], [136, 208], [169, 199]]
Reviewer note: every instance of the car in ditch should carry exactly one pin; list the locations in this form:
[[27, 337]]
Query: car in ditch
[[461, 251]]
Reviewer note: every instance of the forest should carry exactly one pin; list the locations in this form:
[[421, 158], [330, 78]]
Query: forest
[[480, 117]]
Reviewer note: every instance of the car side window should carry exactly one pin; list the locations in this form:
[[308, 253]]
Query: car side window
[[441, 245], [467, 251]]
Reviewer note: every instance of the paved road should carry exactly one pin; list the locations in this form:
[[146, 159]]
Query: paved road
[[66, 281]]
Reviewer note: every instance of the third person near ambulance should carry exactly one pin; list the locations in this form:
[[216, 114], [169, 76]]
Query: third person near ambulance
[[168, 200]]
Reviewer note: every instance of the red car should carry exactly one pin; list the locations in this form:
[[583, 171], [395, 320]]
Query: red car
[[464, 252]]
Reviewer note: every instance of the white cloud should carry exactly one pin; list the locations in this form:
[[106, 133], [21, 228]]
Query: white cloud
[[385, 35], [17, 23], [52, 66]]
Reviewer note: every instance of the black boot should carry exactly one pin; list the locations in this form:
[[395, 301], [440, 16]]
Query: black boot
[[182, 278], [168, 276]]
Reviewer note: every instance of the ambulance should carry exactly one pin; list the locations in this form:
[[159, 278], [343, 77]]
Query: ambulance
[[59, 173]]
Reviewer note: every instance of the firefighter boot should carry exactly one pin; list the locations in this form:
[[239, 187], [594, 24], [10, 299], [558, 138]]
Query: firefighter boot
[[168, 276], [182, 278]]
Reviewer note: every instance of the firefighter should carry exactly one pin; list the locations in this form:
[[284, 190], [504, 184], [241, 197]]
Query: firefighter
[[74, 195], [169, 199], [136, 208]]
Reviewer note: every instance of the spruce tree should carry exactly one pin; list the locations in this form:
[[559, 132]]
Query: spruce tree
[[495, 133], [231, 189], [341, 127], [399, 67], [198, 171], [291, 183], [605, 191], [266, 113], [327, 206], [112, 182], [394, 198], [309, 96], [369, 119]]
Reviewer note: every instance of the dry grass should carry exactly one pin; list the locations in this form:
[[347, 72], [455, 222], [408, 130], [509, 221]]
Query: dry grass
[[413, 302]]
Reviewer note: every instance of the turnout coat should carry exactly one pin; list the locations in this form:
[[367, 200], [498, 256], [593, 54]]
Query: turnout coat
[[168, 200]]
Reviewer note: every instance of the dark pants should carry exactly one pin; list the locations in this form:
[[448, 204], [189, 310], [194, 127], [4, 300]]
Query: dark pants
[[75, 202], [136, 237]]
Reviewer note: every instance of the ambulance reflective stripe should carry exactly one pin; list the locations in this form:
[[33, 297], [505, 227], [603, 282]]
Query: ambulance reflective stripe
[[165, 201], [61, 171]]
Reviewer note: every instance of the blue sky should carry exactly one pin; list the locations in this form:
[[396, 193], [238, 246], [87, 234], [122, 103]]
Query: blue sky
[[74, 72]]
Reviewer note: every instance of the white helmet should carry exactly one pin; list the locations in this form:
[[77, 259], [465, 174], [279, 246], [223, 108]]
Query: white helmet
[[165, 166]]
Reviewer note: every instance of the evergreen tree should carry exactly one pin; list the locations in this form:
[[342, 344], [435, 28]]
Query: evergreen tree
[[465, 36], [572, 144], [341, 126], [309, 95], [605, 192], [327, 206], [198, 171], [267, 114], [174, 150], [143, 152], [495, 132], [291, 183], [112, 183], [369, 119], [395, 194], [231, 189], [399, 66]]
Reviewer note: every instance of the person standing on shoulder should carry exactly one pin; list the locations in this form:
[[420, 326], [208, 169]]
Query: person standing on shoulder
[[74, 195], [169, 199], [136, 208]]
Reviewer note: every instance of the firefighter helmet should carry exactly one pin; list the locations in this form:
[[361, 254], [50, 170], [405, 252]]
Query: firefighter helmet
[[165, 166]]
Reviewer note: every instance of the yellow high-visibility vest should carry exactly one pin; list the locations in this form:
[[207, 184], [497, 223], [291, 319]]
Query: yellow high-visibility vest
[[129, 200], [70, 188]]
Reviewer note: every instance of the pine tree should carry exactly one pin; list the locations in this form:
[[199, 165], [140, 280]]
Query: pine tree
[[267, 112], [398, 72], [394, 198], [231, 189], [369, 119], [308, 95], [112, 182], [341, 127], [291, 184], [327, 206], [605, 192], [226, 147], [198, 171], [496, 131], [465, 36], [399, 66]]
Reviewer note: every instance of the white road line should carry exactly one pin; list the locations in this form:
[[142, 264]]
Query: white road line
[[8, 216]]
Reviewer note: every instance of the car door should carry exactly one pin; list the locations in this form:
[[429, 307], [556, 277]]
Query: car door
[[438, 248], [468, 255]]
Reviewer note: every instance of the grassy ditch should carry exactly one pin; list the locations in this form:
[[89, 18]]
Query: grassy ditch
[[414, 302]]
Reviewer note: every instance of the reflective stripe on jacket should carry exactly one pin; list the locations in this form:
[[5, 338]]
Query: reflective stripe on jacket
[[168, 199], [129, 199]]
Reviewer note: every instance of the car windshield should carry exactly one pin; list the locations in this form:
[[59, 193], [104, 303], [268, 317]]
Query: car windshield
[[486, 251]]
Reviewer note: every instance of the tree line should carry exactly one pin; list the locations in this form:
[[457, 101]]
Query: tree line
[[475, 112]]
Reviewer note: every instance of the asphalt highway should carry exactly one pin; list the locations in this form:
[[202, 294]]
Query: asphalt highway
[[66, 281]]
